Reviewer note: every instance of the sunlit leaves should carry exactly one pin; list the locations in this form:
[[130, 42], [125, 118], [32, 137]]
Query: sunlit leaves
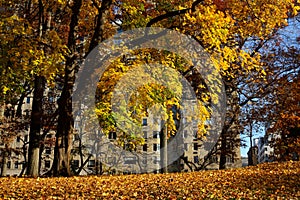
[[24, 54], [152, 81]]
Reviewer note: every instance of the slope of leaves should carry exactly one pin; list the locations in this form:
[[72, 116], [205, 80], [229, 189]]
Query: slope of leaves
[[265, 181]]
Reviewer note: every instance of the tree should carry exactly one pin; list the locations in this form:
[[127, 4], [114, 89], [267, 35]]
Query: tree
[[234, 32], [281, 108], [34, 52], [41, 37], [61, 164]]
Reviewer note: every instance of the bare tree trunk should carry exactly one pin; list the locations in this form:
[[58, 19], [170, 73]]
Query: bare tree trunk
[[63, 144], [36, 113], [4, 164], [24, 165], [35, 128], [223, 151], [20, 103], [164, 150]]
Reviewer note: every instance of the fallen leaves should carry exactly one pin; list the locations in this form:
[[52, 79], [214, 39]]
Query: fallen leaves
[[266, 181]]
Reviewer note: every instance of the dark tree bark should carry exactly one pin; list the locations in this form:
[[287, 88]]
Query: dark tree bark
[[4, 163], [62, 152], [35, 127], [164, 149], [20, 103], [63, 144], [223, 151]]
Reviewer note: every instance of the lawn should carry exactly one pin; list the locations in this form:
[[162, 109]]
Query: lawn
[[265, 181]]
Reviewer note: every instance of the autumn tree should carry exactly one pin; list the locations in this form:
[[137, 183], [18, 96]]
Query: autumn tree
[[280, 110], [35, 52], [45, 39], [79, 12], [234, 33]]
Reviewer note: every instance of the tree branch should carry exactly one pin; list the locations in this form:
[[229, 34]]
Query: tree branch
[[173, 13]]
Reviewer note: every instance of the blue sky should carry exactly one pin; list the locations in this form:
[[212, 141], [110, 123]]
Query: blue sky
[[289, 35]]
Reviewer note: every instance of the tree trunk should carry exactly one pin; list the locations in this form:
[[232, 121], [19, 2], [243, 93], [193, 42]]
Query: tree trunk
[[62, 151], [4, 164], [20, 103], [63, 144], [223, 151], [24, 165], [164, 149], [35, 127]]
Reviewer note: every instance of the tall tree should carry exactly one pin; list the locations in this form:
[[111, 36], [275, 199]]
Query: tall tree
[[64, 135], [280, 111], [234, 32]]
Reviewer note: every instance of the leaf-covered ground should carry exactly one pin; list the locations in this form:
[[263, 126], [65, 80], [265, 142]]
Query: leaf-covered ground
[[266, 181]]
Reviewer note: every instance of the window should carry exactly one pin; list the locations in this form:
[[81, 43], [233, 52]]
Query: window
[[18, 138], [112, 135], [47, 163], [91, 163], [145, 147], [48, 150], [155, 134], [156, 147], [144, 122], [28, 100], [196, 159], [8, 164], [16, 165], [195, 147], [49, 136]]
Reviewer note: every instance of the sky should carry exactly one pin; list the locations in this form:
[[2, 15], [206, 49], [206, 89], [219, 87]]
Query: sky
[[289, 35]]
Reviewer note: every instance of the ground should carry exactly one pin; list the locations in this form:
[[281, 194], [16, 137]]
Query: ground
[[266, 181]]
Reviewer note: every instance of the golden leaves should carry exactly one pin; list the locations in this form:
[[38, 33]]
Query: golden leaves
[[266, 181]]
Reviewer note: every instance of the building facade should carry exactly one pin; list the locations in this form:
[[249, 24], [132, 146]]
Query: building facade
[[101, 154]]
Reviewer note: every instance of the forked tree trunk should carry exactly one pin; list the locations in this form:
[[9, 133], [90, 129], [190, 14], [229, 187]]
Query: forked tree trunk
[[61, 164], [63, 145]]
